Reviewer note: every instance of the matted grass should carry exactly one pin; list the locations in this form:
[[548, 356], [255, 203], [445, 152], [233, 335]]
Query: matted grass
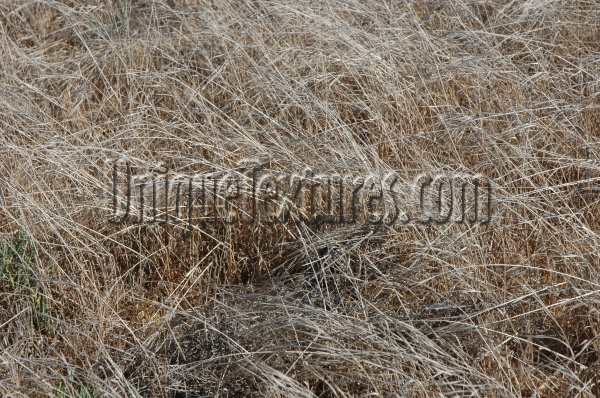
[[504, 89]]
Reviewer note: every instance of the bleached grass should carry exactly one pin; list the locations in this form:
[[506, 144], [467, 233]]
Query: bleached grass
[[506, 89]]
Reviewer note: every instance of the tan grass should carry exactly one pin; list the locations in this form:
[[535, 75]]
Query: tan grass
[[504, 89]]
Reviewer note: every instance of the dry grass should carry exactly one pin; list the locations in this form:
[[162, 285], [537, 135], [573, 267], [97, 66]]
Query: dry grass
[[505, 89]]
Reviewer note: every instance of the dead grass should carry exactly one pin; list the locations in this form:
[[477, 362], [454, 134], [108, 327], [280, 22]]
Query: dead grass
[[505, 89]]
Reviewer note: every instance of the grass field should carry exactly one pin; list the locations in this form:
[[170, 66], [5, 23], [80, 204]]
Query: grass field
[[507, 91]]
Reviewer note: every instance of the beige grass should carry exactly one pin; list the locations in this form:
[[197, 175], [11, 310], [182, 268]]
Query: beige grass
[[505, 89]]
